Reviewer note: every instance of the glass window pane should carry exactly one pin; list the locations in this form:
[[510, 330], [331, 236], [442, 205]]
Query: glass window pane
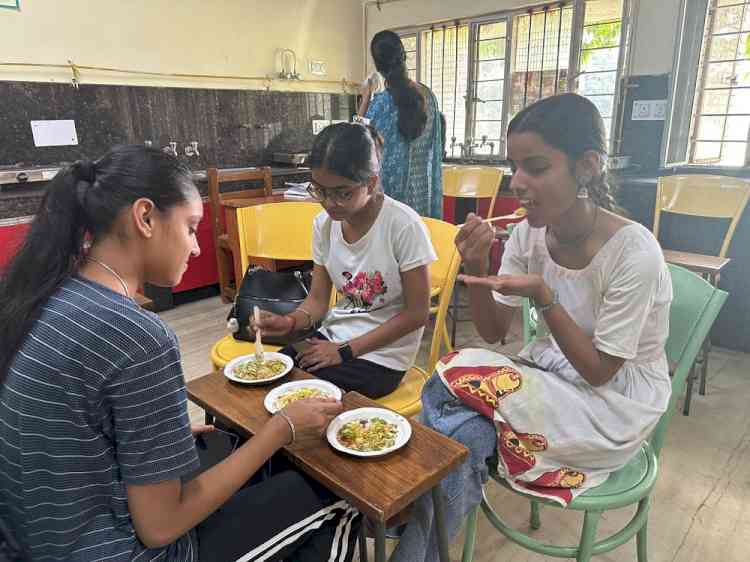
[[707, 152], [737, 128], [743, 45], [490, 110], [741, 75], [746, 22], [739, 102], [411, 60], [715, 101], [602, 35], [598, 11], [491, 70], [490, 30], [600, 59], [600, 83], [727, 20], [603, 104], [608, 128], [492, 49], [410, 42], [412, 74], [711, 128], [490, 128], [723, 47], [733, 154], [719, 74], [490, 90]]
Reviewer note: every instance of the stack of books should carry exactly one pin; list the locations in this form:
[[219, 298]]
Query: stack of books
[[297, 191]]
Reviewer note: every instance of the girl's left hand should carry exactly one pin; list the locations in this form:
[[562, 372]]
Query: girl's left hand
[[531, 286], [320, 354]]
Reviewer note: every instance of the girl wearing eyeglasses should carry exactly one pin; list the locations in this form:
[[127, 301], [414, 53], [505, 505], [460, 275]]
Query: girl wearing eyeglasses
[[376, 252]]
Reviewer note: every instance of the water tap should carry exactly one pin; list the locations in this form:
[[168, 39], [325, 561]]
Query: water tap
[[192, 149], [171, 149]]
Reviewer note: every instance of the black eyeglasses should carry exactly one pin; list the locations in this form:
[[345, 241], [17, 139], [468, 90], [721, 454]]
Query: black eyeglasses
[[334, 194]]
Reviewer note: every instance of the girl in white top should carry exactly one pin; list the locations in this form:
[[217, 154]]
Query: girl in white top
[[376, 252], [593, 384]]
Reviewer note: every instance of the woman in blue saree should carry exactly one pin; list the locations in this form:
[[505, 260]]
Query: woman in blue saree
[[406, 114]]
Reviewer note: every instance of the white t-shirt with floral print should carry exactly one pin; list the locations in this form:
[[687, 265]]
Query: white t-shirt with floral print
[[368, 275]]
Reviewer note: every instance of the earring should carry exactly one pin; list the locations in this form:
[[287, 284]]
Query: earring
[[583, 190]]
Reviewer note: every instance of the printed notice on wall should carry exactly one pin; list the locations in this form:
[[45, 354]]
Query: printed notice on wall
[[60, 132]]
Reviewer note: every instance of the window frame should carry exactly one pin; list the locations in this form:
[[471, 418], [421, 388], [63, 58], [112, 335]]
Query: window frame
[[508, 16], [701, 89]]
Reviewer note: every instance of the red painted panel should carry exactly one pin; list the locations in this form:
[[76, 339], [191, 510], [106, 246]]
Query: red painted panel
[[202, 270], [10, 239]]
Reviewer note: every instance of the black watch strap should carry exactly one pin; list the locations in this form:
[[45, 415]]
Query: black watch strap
[[345, 350]]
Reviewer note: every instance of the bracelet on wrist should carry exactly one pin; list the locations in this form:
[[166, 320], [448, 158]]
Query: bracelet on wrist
[[309, 317], [288, 420]]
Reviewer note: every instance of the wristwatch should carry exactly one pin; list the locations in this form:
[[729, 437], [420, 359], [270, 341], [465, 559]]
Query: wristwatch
[[541, 309], [345, 351]]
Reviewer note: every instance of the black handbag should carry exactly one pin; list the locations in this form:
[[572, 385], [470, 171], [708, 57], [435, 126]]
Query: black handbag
[[280, 292]]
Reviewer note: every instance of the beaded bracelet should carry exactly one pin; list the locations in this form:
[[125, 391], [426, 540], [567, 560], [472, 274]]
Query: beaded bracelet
[[284, 415]]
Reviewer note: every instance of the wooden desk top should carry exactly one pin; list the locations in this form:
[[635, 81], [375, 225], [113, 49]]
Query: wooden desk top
[[699, 263], [380, 487]]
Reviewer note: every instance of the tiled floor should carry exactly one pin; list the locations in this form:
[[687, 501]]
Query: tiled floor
[[699, 512]]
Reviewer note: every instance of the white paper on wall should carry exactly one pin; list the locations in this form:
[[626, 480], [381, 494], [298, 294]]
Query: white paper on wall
[[59, 132]]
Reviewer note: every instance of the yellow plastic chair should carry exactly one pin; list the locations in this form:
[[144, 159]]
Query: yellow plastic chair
[[407, 398], [275, 231], [701, 195], [470, 182]]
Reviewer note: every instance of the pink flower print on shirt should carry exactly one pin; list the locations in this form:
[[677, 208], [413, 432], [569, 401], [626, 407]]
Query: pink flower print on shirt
[[362, 290]]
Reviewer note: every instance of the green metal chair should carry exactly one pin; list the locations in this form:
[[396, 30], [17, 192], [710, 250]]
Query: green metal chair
[[695, 306]]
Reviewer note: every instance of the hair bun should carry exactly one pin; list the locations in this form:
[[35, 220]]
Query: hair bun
[[85, 170]]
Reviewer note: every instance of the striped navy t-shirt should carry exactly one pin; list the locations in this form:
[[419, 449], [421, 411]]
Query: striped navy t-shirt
[[94, 400]]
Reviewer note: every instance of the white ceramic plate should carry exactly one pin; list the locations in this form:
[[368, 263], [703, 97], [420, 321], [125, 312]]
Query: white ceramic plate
[[267, 355], [404, 430], [330, 389]]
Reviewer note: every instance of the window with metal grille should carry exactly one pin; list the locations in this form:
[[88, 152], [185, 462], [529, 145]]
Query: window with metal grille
[[541, 55], [410, 46], [600, 60], [721, 114], [487, 94], [444, 62], [483, 71]]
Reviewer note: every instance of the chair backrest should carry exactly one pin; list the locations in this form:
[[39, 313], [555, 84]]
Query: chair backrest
[[281, 231], [695, 306], [701, 195], [443, 275], [472, 182], [216, 177]]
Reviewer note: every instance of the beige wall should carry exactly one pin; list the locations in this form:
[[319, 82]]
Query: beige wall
[[656, 24], [214, 37]]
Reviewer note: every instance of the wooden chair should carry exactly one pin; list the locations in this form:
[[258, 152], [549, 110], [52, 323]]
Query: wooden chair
[[224, 257], [708, 196]]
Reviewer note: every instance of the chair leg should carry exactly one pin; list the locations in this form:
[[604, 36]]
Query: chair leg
[[470, 536], [454, 316], [588, 536], [362, 540], [688, 391], [641, 539], [535, 520], [704, 365]]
